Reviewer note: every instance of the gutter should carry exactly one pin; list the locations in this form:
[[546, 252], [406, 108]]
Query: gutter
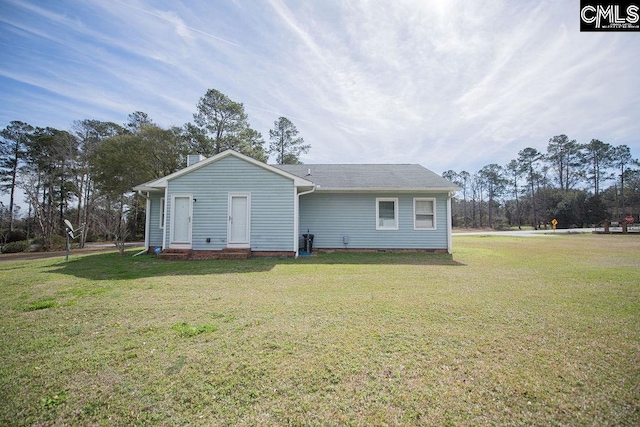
[[383, 190], [307, 192], [297, 218]]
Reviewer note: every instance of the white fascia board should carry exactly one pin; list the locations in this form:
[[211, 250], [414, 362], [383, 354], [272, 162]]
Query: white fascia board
[[148, 189], [162, 182], [301, 182], [297, 180], [384, 189]]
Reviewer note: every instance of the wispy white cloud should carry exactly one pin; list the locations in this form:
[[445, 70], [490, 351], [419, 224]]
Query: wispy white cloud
[[181, 28], [449, 84]]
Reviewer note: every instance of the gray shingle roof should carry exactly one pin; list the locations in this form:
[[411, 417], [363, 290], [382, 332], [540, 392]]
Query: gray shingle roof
[[370, 177]]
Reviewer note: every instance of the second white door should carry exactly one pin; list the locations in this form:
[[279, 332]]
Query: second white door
[[238, 225]]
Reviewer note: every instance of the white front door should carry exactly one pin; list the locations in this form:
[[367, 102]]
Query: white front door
[[181, 220], [239, 220]]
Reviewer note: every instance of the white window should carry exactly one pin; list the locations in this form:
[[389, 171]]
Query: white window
[[162, 210], [386, 214], [424, 214]]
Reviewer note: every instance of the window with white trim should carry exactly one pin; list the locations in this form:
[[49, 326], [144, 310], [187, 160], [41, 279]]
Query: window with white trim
[[424, 213], [386, 214], [162, 210]]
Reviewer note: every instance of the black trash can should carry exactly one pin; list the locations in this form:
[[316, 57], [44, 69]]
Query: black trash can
[[308, 242]]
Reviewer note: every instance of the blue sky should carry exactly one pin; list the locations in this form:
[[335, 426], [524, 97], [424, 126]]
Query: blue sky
[[447, 84]]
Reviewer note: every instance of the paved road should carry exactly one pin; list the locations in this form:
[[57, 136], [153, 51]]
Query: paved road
[[524, 233]]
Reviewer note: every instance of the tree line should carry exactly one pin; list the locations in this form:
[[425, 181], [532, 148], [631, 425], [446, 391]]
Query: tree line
[[577, 184], [86, 174]]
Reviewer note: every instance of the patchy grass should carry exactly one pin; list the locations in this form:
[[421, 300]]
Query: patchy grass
[[186, 330], [41, 304], [509, 331]]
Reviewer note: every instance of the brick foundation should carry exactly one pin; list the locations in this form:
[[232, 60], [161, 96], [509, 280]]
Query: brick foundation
[[246, 253], [389, 250], [240, 254]]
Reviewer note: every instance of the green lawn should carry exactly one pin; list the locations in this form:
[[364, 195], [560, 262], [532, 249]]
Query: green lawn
[[513, 331]]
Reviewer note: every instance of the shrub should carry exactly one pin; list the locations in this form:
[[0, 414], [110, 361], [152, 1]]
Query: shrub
[[16, 236], [58, 243], [501, 225], [15, 247]]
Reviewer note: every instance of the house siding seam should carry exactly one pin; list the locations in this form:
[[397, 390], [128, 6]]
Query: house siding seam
[[272, 204], [330, 216]]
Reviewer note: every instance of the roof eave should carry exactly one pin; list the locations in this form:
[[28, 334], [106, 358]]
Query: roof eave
[[161, 183], [386, 189], [145, 187]]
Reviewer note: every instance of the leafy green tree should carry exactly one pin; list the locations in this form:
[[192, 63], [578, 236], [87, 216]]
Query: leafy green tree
[[221, 120], [599, 159], [12, 152], [621, 158], [495, 183], [632, 191], [164, 150], [450, 174], [49, 178], [118, 164], [528, 160], [137, 120], [462, 180], [566, 159], [476, 184], [253, 144], [158, 152], [89, 133], [569, 208], [543, 186], [514, 174], [222, 124], [285, 142], [196, 139], [595, 210], [126, 159]]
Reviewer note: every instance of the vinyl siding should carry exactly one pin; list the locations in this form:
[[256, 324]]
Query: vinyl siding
[[155, 232], [330, 216], [272, 204]]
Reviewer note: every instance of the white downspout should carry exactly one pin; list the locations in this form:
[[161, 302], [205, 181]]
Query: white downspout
[[297, 217], [449, 224], [164, 229]]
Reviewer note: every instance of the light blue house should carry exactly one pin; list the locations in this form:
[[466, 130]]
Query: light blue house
[[232, 202]]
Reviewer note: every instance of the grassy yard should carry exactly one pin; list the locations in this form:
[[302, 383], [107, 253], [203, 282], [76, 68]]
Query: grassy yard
[[512, 331]]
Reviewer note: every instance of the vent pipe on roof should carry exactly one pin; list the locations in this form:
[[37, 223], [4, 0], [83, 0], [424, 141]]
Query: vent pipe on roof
[[309, 172]]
